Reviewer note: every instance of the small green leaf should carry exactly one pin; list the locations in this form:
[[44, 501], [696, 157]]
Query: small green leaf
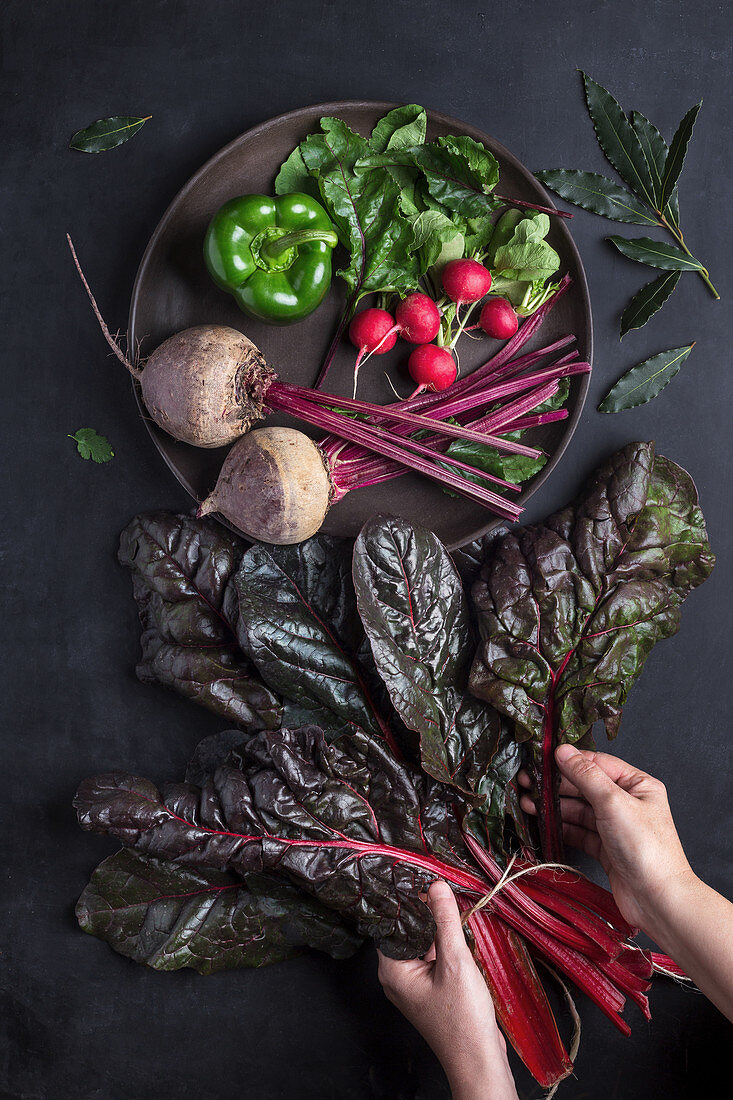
[[676, 155], [645, 380], [619, 140], [401, 128], [294, 178], [91, 445], [655, 254], [598, 194], [107, 133], [649, 299]]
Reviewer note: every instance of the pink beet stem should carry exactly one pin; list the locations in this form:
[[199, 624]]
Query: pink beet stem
[[379, 413], [408, 454]]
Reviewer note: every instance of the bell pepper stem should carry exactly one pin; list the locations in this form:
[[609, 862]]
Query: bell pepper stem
[[275, 247]]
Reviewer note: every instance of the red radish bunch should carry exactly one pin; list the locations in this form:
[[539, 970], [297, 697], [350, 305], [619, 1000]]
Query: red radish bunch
[[374, 331]]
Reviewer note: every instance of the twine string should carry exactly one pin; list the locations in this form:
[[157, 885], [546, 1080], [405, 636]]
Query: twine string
[[507, 878]]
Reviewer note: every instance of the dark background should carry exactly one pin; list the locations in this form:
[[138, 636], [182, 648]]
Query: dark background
[[78, 1020]]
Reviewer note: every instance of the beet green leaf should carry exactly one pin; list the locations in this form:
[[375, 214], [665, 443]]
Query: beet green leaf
[[168, 916], [569, 610], [415, 613], [348, 825], [182, 571]]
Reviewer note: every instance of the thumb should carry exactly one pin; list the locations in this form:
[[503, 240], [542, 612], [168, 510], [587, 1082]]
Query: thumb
[[450, 941], [592, 781]]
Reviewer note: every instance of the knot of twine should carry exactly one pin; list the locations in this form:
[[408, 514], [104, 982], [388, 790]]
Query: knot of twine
[[507, 878]]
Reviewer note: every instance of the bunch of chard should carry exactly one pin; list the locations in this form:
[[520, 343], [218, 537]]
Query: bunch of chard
[[362, 766]]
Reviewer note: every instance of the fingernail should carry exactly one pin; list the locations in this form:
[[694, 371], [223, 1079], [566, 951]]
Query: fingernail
[[566, 752]]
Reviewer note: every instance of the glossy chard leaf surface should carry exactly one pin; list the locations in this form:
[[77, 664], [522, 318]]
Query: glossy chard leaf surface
[[569, 610], [182, 574], [299, 623], [168, 916], [331, 822], [411, 602]]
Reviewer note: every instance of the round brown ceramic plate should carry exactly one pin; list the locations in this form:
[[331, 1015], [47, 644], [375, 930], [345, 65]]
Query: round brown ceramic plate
[[173, 291]]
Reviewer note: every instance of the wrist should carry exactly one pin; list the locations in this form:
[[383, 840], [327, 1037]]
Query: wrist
[[489, 1078], [666, 907]]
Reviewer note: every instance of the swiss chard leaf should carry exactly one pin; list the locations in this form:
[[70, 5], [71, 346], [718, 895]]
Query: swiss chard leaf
[[619, 141], [645, 380], [648, 300], [415, 613], [354, 829], [568, 610], [299, 623], [168, 916], [182, 573], [364, 208], [599, 194], [655, 254], [458, 175]]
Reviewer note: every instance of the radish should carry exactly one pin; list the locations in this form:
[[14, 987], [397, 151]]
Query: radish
[[498, 319], [373, 332], [433, 369], [418, 319], [466, 281]]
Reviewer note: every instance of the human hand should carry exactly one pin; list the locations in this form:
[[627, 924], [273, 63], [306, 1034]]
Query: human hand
[[445, 997], [621, 817]]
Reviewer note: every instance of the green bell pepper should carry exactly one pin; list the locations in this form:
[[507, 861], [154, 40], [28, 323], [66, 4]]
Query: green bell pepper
[[272, 255]]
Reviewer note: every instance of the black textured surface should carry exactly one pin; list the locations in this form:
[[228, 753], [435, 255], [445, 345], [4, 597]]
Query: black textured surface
[[79, 1021]]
